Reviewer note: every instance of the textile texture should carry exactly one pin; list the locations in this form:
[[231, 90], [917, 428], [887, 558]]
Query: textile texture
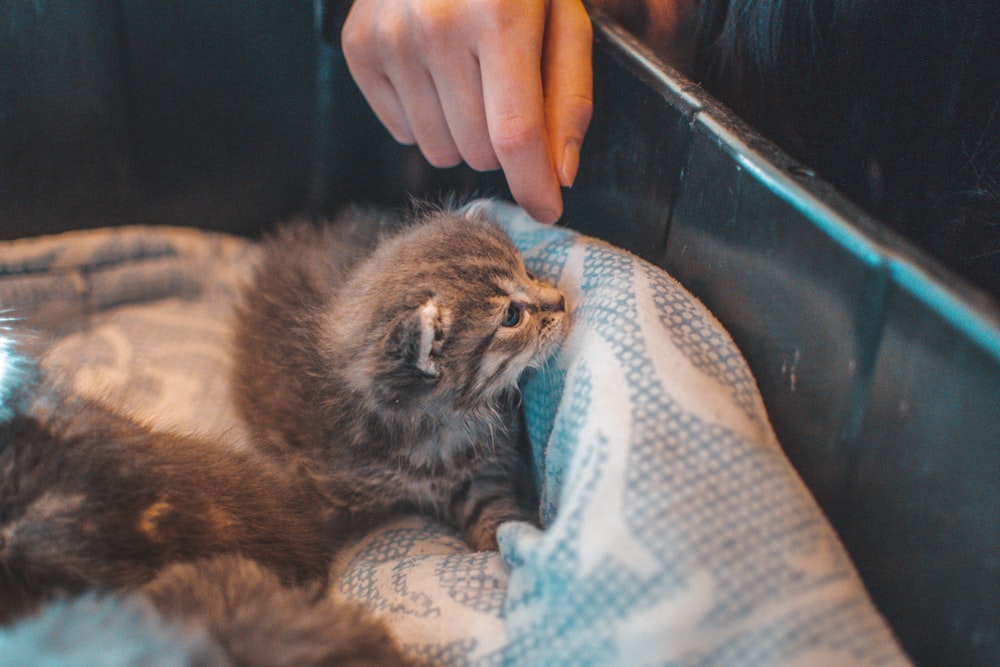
[[675, 532]]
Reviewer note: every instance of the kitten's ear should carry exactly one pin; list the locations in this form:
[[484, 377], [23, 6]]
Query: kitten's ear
[[420, 336]]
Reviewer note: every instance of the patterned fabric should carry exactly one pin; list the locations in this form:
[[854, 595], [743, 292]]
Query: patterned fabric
[[134, 316], [676, 532]]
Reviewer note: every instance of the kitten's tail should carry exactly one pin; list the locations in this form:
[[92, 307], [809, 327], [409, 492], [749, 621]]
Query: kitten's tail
[[225, 611], [260, 622]]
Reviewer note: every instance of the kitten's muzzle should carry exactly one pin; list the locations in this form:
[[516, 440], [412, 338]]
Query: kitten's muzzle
[[552, 301]]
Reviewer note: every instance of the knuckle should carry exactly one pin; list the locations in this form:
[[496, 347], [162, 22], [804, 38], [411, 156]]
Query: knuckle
[[577, 109], [392, 37], [365, 39], [440, 21], [501, 14], [389, 37], [515, 133], [355, 42]]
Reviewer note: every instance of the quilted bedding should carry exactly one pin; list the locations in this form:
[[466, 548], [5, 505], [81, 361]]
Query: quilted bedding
[[676, 531]]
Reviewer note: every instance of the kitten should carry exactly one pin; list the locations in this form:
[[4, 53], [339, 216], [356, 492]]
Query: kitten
[[91, 499], [223, 611], [258, 622], [378, 371], [388, 367], [204, 554]]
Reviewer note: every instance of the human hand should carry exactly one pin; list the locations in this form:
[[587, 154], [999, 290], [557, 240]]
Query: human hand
[[495, 83]]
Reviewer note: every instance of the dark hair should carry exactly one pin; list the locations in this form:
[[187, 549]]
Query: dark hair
[[895, 102]]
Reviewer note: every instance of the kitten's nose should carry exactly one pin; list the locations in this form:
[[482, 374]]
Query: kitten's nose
[[553, 301]]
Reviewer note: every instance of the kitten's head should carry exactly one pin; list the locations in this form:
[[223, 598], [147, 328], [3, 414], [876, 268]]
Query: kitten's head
[[444, 315]]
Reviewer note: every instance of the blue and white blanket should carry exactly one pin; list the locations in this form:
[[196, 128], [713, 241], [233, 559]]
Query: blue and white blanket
[[676, 531]]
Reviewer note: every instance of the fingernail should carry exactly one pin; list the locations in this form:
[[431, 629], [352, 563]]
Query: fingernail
[[570, 164]]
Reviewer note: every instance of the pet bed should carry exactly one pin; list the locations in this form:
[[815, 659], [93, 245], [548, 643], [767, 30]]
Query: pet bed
[[676, 531]]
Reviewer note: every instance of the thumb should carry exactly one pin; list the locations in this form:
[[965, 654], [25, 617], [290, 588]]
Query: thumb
[[567, 79]]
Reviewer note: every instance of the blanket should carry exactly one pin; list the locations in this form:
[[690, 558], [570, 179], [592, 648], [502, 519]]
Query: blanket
[[675, 531]]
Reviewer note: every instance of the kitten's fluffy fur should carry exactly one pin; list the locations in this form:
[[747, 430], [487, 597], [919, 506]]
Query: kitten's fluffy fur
[[390, 371], [377, 372], [220, 612], [259, 622], [89, 498]]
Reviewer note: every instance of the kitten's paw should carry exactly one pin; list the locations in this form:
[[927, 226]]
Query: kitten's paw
[[482, 535], [484, 540]]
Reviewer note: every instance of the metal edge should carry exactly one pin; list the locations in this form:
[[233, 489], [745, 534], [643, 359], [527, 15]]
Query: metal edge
[[969, 309]]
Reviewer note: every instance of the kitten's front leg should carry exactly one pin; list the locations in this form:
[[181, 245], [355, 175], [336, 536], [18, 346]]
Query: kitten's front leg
[[490, 499]]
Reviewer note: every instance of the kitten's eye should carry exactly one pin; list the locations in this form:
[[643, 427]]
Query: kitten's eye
[[513, 316]]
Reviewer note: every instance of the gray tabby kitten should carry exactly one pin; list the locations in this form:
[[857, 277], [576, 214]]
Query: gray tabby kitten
[[388, 366], [378, 372]]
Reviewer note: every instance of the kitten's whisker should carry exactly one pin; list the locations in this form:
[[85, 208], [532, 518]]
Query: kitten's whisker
[[517, 397], [493, 438]]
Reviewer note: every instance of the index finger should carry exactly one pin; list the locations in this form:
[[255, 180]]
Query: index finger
[[515, 116]]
